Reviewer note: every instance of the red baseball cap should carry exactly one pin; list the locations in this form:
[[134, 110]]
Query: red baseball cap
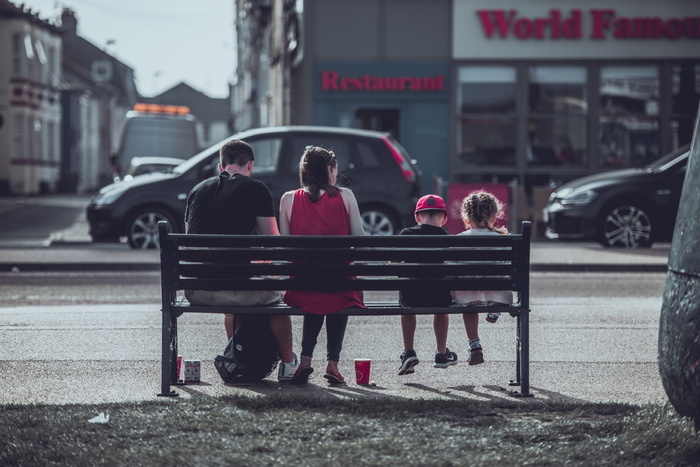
[[430, 203]]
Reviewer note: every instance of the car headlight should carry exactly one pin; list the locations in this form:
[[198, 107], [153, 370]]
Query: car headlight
[[568, 197], [108, 196]]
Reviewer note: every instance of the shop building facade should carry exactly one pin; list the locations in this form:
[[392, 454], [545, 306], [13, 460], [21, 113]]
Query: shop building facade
[[519, 92], [546, 92]]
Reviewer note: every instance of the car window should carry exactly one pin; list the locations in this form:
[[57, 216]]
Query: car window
[[337, 144], [367, 157], [267, 154], [209, 167], [663, 163]]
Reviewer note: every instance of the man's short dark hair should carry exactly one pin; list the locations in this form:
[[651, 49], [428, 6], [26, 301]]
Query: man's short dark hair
[[236, 152]]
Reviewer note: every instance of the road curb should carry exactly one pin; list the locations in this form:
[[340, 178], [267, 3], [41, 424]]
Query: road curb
[[77, 267], [87, 267], [599, 268]]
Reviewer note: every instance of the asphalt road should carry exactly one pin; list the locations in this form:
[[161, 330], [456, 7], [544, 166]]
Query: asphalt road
[[95, 337], [31, 221]]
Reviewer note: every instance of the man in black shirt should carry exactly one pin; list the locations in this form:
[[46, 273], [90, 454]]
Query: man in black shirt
[[233, 203]]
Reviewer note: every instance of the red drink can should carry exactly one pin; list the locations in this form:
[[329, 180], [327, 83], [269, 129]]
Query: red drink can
[[188, 371], [196, 371]]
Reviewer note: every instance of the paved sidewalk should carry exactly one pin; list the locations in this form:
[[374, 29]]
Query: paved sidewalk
[[111, 353], [545, 256]]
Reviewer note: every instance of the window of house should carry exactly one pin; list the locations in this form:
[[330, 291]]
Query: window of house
[[19, 137], [33, 133], [17, 54], [557, 115], [51, 137], [52, 65], [29, 51], [628, 120], [486, 100], [41, 59]]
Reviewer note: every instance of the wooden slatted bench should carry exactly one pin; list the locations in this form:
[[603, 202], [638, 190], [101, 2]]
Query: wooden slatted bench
[[342, 263]]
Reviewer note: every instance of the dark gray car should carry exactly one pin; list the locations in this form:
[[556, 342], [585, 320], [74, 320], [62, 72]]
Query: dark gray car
[[627, 208], [382, 176]]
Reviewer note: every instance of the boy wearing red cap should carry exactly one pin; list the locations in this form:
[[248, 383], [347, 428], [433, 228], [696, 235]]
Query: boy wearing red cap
[[431, 216]]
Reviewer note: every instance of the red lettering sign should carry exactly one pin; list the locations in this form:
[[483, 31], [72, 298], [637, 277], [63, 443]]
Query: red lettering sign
[[604, 24], [554, 26], [332, 81]]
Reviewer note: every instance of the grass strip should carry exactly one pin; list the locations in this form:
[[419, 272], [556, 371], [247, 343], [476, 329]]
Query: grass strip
[[313, 431]]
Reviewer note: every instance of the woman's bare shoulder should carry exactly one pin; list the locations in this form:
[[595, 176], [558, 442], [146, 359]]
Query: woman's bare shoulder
[[288, 194], [346, 191]]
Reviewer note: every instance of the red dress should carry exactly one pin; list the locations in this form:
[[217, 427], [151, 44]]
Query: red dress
[[327, 216]]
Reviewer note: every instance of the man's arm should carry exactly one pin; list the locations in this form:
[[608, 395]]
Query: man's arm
[[286, 212], [267, 225]]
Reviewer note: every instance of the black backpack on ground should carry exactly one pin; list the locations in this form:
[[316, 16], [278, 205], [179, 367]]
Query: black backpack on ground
[[251, 354]]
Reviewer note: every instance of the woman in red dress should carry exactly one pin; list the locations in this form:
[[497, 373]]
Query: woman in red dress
[[320, 208]]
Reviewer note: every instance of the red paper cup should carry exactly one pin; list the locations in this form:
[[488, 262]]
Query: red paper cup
[[362, 366]]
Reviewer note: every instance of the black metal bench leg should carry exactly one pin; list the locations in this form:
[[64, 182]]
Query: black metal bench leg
[[516, 381], [169, 354], [525, 355]]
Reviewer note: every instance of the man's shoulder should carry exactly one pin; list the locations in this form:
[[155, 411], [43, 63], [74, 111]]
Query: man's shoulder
[[203, 185], [254, 182]]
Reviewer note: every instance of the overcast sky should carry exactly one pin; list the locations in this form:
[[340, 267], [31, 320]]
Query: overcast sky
[[164, 41]]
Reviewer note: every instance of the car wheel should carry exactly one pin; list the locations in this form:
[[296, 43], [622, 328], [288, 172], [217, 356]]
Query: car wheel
[[377, 221], [142, 229], [627, 226]]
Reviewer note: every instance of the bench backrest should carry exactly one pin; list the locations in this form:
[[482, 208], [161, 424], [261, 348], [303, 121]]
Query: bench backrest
[[341, 263]]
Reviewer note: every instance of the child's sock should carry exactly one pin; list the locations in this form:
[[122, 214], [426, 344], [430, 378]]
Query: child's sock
[[474, 343]]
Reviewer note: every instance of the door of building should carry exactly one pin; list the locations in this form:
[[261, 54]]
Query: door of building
[[386, 120]]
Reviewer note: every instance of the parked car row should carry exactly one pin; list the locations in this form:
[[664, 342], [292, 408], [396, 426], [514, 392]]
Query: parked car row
[[381, 174], [627, 208]]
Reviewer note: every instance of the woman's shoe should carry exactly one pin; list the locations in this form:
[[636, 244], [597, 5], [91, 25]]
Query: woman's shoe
[[334, 379], [302, 375]]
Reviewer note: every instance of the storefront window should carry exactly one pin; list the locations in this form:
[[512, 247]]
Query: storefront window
[[488, 141], [556, 126], [488, 89], [557, 90], [629, 107], [556, 141], [685, 93], [487, 100]]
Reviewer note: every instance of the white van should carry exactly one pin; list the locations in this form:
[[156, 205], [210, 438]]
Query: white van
[[154, 130]]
